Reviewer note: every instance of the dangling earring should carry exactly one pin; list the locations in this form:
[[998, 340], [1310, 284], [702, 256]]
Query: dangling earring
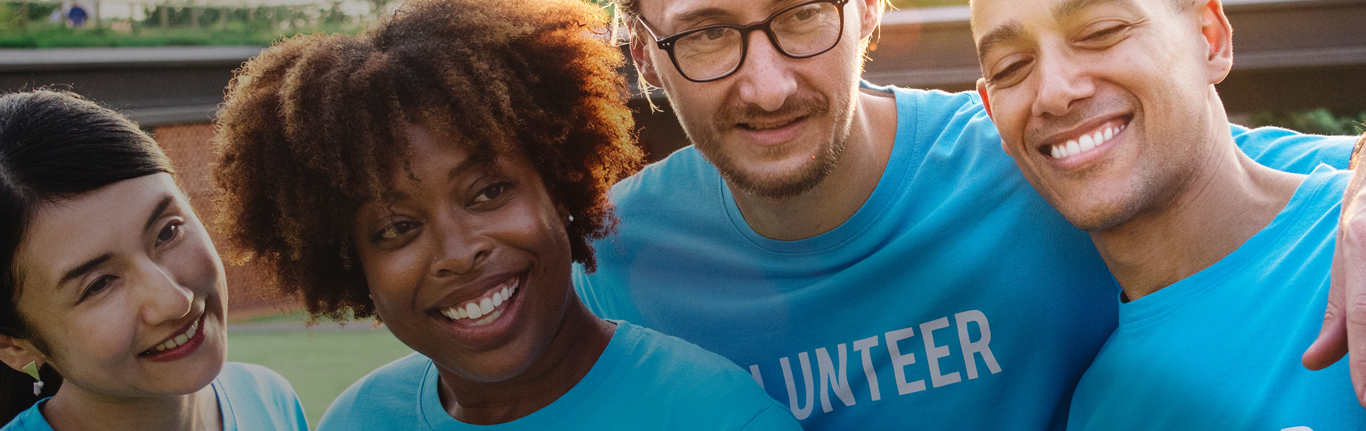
[[32, 370]]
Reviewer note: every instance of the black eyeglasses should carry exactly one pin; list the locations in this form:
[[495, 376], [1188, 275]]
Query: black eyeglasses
[[714, 52]]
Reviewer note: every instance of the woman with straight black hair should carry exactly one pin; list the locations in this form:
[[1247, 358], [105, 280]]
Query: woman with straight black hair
[[112, 297]]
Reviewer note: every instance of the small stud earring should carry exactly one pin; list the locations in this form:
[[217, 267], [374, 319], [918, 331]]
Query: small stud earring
[[32, 370]]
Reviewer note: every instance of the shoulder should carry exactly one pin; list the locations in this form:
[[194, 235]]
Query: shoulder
[[243, 375], [390, 390], [29, 420], [665, 178], [693, 380], [259, 395], [1292, 151]]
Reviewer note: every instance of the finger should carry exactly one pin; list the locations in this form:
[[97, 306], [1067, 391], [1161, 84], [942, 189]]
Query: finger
[[1331, 343]]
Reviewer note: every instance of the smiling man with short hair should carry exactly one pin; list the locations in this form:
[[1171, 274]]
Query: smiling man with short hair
[[1110, 111], [866, 252]]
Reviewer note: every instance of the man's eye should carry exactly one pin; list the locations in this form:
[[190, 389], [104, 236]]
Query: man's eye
[[170, 232], [714, 34], [1105, 37], [491, 192], [1010, 71]]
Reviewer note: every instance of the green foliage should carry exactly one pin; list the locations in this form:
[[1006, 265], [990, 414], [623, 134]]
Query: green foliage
[[55, 36], [1318, 121]]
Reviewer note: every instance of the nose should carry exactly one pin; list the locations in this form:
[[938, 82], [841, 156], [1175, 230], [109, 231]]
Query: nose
[[1062, 83], [765, 79], [163, 298], [459, 248]]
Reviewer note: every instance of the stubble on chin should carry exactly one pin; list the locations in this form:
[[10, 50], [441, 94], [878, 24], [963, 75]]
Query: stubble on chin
[[776, 185]]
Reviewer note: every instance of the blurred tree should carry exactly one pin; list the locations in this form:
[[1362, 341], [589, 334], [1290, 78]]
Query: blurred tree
[[1318, 121]]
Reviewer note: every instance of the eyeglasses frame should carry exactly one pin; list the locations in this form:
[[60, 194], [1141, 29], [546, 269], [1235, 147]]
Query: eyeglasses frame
[[666, 43]]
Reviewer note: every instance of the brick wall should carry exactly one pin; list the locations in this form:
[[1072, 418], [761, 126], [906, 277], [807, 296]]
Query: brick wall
[[192, 154]]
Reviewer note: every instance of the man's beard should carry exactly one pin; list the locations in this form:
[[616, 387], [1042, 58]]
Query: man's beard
[[785, 184]]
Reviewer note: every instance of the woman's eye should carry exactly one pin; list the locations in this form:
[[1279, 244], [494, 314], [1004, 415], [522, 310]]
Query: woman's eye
[[395, 230], [170, 232], [491, 192], [97, 286]]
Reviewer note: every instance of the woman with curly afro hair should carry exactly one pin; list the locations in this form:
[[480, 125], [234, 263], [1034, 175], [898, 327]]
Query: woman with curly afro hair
[[443, 171]]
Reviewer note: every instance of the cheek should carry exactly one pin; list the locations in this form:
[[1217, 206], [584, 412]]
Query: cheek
[[392, 276]]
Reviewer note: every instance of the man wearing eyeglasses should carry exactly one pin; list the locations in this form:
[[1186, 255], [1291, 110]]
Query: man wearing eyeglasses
[[867, 253]]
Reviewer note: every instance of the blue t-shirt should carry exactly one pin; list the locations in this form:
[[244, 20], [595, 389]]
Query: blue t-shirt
[[644, 380], [954, 298], [250, 397], [1220, 350]]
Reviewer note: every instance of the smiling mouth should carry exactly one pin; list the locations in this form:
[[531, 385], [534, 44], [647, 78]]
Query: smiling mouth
[[179, 345], [487, 307], [1085, 142]]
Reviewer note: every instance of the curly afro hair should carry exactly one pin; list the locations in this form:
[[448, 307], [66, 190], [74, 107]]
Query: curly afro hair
[[315, 126]]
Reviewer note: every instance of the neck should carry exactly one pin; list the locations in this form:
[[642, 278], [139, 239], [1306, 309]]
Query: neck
[[571, 354], [76, 409], [844, 189], [1228, 200]]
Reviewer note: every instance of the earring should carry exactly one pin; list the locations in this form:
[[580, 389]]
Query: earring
[[32, 370]]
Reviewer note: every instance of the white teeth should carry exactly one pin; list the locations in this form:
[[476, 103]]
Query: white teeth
[[1083, 144], [483, 309], [179, 339]]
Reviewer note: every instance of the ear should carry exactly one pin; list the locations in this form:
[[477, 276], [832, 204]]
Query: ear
[[870, 16], [986, 101], [1218, 35], [16, 353], [640, 54]]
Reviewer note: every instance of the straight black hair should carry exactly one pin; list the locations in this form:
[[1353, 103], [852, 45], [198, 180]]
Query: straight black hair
[[54, 146]]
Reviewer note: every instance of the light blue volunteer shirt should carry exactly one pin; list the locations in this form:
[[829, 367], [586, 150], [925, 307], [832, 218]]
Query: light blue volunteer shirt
[[1220, 350], [644, 380], [954, 298], [250, 397]]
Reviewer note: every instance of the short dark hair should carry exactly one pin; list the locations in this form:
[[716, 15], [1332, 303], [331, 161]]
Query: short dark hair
[[314, 127], [54, 146]]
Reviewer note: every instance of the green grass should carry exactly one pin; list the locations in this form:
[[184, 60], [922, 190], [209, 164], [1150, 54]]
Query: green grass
[[319, 365]]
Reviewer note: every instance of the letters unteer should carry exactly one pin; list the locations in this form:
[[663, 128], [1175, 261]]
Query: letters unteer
[[901, 351]]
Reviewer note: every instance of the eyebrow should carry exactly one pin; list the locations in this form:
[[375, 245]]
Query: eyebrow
[[1009, 31], [160, 209], [1013, 29], [709, 12], [84, 268]]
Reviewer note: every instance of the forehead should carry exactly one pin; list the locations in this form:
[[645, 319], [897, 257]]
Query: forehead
[[990, 14], [671, 12]]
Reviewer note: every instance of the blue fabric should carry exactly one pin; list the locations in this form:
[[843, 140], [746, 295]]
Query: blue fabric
[[994, 302], [250, 397], [1220, 350], [644, 380]]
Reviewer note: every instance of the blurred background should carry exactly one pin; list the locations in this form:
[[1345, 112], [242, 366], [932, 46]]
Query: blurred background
[[1299, 64]]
